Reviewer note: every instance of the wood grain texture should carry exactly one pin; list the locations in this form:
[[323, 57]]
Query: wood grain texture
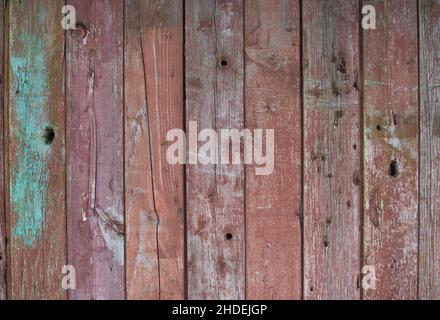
[[3, 256], [332, 165], [95, 205], [391, 149], [273, 101], [429, 206], [215, 193], [154, 188], [36, 149]]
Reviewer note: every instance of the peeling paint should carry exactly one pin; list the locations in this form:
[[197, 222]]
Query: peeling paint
[[29, 175]]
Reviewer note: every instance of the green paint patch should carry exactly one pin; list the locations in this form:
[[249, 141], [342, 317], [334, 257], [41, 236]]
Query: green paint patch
[[30, 174]]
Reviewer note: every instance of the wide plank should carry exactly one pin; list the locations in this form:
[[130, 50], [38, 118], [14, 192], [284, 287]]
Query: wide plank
[[154, 188], [391, 126], [273, 101], [215, 193], [36, 126], [95, 176], [332, 164]]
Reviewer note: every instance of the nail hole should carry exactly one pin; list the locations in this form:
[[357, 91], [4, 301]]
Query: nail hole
[[224, 63], [228, 236], [49, 135], [379, 128], [355, 146], [393, 171], [312, 289]]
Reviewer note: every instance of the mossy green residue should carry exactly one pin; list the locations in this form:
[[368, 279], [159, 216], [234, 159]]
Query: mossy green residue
[[30, 175]]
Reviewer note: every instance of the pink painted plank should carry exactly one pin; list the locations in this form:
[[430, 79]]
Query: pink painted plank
[[391, 149], [332, 165], [429, 244], [215, 193], [273, 93], [95, 207], [154, 190]]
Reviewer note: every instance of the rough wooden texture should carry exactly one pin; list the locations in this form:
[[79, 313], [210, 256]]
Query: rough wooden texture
[[429, 243], [36, 149], [215, 193], [332, 165], [273, 101], [391, 149], [3, 257], [154, 190], [95, 206]]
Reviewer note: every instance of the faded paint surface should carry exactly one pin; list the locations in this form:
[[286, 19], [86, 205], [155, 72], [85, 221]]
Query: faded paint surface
[[36, 150], [332, 161], [391, 128], [154, 189], [30, 172], [273, 101]]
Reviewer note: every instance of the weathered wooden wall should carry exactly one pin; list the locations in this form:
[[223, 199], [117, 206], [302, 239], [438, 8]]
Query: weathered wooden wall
[[83, 138]]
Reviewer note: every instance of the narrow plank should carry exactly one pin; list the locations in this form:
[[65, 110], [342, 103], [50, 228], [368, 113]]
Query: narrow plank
[[3, 258], [332, 165], [273, 101], [390, 66], [154, 189], [95, 205], [429, 244], [36, 149], [215, 193]]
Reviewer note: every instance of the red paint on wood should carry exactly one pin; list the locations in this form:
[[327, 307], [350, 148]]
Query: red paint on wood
[[95, 208], [332, 165], [273, 75], [215, 193], [154, 191], [391, 149]]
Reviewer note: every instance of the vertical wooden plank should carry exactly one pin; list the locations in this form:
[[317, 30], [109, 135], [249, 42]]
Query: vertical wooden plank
[[154, 188], [391, 149], [429, 243], [215, 193], [273, 93], [95, 206], [36, 149], [332, 165], [3, 258]]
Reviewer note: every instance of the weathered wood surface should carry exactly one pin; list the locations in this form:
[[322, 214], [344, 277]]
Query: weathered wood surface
[[154, 189], [332, 165], [429, 205], [36, 149], [391, 149], [273, 101], [3, 258], [95, 206], [215, 193]]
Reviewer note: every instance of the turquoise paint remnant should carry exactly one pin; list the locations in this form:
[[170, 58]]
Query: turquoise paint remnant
[[29, 102]]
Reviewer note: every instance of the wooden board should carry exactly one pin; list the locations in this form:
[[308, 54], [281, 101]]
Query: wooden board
[[154, 189], [36, 149], [273, 101], [215, 193], [391, 149], [429, 243], [95, 205], [332, 165], [3, 257]]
